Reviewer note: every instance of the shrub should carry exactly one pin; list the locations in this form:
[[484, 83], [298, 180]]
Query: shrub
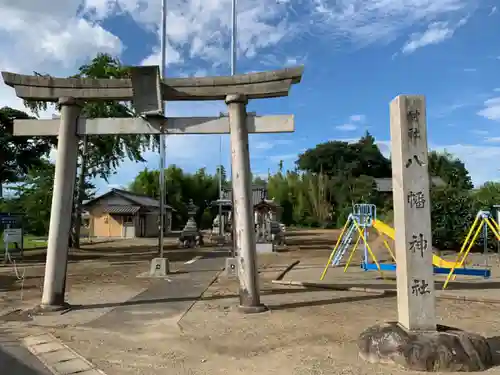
[[452, 213]]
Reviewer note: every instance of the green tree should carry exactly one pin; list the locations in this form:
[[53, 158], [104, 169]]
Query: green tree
[[146, 183], [451, 169], [343, 159], [100, 155], [487, 196], [33, 197], [18, 154], [452, 215], [181, 187]]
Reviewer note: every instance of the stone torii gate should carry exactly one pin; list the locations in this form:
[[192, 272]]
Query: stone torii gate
[[147, 91]]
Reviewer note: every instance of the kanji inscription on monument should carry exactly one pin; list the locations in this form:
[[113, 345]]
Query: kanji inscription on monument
[[416, 300]]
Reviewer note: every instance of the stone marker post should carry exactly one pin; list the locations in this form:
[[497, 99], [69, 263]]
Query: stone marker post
[[412, 215], [62, 204], [243, 211], [415, 341]]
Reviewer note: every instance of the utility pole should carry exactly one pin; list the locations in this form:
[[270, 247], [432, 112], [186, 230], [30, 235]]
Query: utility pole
[[163, 62]]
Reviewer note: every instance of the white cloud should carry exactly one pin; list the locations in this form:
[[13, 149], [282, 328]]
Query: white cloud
[[479, 132], [357, 118], [437, 32], [203, 26], [346, 127], [263, 145], [48, 37], [267, 144], [352, 124], [493, 11], [478, 160], [491, 109], [201, 29], [172, 57], [492, 139], [383, 20]]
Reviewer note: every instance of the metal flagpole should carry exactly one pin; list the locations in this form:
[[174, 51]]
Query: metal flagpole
[[163, 62], [234, 49], [221, 229], [233, 38]]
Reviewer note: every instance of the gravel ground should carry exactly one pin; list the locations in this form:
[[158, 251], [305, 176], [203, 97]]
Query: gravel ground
[[306, 331]]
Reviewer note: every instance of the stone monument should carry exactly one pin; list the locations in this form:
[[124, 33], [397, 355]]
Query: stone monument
[[147, 92], [415, 341]]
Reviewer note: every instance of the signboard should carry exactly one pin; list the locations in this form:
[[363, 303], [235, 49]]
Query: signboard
[[11, 235], [8, 219]]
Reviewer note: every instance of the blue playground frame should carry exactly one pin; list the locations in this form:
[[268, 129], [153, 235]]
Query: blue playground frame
[[481, 272]]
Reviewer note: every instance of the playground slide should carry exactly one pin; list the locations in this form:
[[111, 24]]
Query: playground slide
[[390, 232]]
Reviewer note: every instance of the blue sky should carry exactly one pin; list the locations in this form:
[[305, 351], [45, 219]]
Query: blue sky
[[358, 56]]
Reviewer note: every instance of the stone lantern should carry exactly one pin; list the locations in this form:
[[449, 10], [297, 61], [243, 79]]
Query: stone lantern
[[190, 235]]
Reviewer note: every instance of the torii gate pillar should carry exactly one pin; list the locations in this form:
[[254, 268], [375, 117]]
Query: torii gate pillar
[[62, 203], [243, 211]]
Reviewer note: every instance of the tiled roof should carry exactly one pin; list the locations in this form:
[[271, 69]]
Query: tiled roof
[[137, 199], [141, 200], [259, 193], [121, 210]]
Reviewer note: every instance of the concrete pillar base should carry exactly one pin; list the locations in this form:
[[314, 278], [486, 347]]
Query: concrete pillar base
[[447, 349], [231, 268], [159, 267], [253, 309], [44, 309]]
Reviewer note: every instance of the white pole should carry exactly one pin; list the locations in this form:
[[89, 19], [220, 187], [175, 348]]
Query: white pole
[[234, 47], [221, 229], [163, 62]]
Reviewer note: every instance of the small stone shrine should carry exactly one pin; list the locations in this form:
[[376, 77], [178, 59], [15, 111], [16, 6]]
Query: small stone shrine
[[190, 236]]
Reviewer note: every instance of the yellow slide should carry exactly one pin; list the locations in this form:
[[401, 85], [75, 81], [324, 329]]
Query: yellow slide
[[389, 231]]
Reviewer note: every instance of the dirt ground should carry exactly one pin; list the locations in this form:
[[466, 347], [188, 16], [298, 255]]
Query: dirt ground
[[306, 331]]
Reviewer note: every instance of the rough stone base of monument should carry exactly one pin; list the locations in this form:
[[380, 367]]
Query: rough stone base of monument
[[159, 267], [447, 349], [231, 269], [264, 248]]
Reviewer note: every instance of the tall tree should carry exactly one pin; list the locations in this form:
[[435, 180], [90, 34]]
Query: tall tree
[[18, 154], [181, 187], [487, 196], [33, 197], [451, 169], [100, 156], [346, 160]]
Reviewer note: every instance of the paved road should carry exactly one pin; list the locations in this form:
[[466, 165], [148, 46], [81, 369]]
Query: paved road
[[17, 360], [165, 298]]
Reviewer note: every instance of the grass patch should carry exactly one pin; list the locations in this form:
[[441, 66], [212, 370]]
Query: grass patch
[[29, 242]]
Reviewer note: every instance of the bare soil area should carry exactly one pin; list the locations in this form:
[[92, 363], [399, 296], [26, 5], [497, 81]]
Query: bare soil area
[[306, 331]]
